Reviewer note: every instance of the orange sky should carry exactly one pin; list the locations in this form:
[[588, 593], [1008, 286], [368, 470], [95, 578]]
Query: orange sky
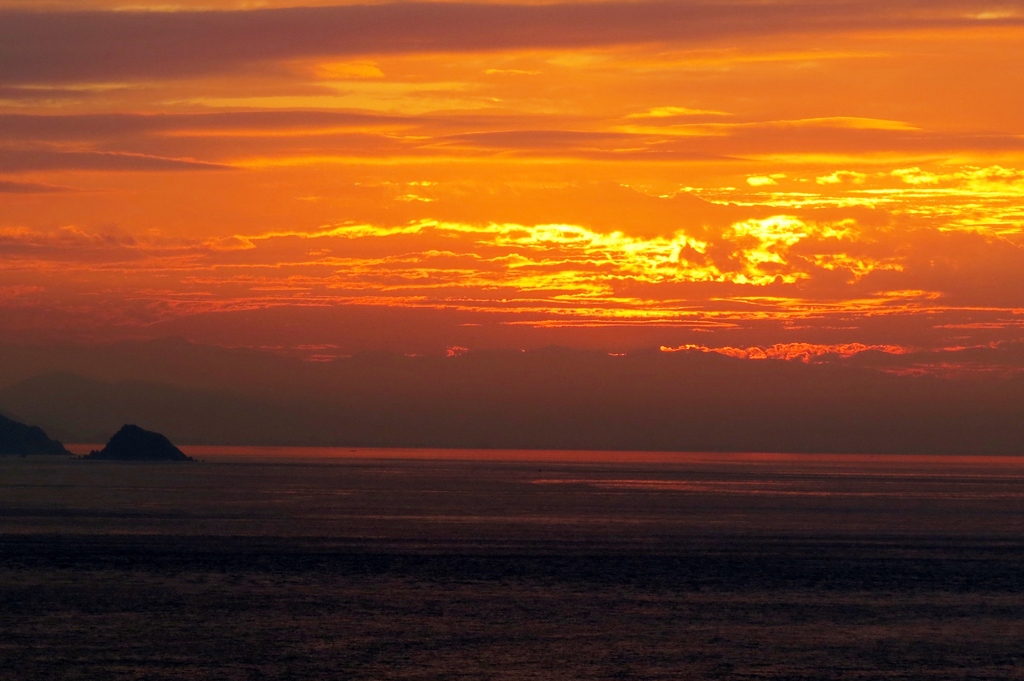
[[415, 177]]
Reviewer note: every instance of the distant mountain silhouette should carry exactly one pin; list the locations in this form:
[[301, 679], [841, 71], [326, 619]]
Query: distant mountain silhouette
[[132, 443], [18, 438], [74, 408], [552, 398]]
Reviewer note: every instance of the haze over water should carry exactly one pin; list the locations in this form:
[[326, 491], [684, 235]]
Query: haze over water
[[525, 494]]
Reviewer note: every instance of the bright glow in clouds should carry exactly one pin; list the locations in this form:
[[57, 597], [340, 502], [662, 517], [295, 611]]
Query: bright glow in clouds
[[610, 175], [804, 352]]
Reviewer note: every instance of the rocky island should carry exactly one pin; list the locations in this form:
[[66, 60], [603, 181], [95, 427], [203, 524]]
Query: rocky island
[[132, 443], [20, 439]]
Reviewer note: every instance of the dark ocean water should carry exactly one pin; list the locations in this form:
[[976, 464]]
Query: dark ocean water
[[398, 564]]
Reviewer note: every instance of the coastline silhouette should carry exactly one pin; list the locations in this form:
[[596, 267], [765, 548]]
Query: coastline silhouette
[[19, 439], [133, 443]]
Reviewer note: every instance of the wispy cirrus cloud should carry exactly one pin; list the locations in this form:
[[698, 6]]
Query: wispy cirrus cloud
[[12, 187], [22, 160], [92, 127], [173, 141]]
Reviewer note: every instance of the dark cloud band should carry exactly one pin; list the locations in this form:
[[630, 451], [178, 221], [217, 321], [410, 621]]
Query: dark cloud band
[[66, 47]]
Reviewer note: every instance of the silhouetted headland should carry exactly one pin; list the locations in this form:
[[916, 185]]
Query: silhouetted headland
[[18, 438], [132, 443]]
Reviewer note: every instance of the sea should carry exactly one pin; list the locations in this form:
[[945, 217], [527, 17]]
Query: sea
[[340, 563]]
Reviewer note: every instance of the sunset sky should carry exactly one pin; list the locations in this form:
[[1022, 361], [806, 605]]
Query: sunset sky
[[754, 177]]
